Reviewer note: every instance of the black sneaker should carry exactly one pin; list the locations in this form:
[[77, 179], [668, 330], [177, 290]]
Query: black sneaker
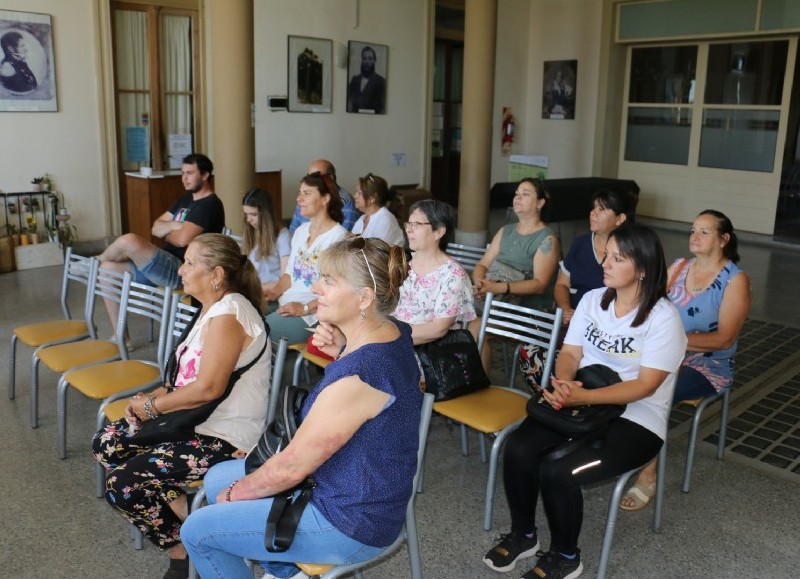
[[511, 548], [551, 565]]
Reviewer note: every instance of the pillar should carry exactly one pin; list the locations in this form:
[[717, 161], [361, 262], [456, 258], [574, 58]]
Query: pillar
[[480, 31], [231, 89]]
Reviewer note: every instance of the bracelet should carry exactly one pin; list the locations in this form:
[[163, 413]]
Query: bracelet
[[229, 490], [508, 288], [148, 406]]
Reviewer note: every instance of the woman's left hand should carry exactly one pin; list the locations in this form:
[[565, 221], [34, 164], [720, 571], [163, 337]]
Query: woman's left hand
[[292, 310], [564, 393]]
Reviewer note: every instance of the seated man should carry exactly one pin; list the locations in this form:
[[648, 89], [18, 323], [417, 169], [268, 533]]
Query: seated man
[[351, 214], [198, 211]]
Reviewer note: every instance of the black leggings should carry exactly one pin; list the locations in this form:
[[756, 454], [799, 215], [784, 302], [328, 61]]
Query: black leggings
[[627, 445]]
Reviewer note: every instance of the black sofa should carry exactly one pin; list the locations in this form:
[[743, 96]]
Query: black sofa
[[571, 198]]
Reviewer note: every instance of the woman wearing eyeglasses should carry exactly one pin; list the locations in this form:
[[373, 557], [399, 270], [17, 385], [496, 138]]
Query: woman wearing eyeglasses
[[371, 198], [437, 295], [363, 477], [319, 201]]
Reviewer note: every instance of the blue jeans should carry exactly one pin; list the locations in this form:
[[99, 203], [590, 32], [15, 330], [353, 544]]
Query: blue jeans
[[161, 270], [221, 536]]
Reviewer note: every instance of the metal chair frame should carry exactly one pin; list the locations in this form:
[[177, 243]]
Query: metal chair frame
[[723, 431], [467, 255]]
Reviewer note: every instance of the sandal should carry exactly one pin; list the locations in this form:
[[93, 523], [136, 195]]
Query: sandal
[[639, 494]]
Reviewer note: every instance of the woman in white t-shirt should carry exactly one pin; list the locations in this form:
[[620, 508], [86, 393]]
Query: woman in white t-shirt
[[371, 198], [265, 243], [319, 201], [631, 327]]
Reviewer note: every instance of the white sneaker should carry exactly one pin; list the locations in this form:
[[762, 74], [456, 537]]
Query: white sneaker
[[128, 343]]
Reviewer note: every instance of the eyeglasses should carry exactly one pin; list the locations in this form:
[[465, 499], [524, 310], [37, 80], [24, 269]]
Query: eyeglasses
[[414, 225], [358, 244]]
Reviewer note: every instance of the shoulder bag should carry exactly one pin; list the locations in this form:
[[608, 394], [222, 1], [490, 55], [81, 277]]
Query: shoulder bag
[[580, 421], [287, 506], [180, 425], [452, 365]]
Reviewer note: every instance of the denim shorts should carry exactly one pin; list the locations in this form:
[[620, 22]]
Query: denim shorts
[[161, 270]]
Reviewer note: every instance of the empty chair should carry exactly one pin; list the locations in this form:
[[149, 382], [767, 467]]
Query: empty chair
[[497, 411], [78, 269], [466, 255]]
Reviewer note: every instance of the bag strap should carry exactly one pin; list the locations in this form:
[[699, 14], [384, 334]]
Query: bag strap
[[676, 274], [284, 516]]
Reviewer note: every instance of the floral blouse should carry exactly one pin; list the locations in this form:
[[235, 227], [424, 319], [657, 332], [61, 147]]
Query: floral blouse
[[443, 293]]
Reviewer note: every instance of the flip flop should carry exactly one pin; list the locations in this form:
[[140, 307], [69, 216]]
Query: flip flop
[[640, 495]]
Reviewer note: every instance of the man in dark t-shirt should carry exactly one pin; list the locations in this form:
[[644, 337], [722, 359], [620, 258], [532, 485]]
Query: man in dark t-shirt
[[198, 211]]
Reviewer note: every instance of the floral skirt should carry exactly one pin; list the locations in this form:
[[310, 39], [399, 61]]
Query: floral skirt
[[143, 480]]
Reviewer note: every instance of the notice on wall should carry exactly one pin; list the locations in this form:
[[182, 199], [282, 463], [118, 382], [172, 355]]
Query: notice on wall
[[522, 166], [137, 145]]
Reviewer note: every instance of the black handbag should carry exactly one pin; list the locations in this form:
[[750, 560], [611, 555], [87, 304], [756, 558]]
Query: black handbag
[[287, 506], [580, 421], [180, 425], [452, 365]]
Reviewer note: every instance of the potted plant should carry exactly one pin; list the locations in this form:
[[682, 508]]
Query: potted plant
[[36, 183], [33, 235], [13, 232], [48, 183]]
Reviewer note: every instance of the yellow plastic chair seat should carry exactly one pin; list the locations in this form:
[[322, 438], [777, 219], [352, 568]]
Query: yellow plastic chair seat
[[103, 380], [314, 569], [116, 410], [489, 410], [44, 332], [316, 360], [694, 402], [62, 357], [299, 347]]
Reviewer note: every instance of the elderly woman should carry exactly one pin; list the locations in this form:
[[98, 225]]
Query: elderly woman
[[713, 297], [631, 327], [582, 269], [358, 436], [371, 198], [437, 294], [144, 481], [319, 201]]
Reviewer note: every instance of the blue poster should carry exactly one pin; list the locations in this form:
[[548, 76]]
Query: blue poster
[[137, 145]]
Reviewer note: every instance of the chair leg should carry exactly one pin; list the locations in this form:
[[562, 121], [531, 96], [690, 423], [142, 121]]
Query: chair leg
[[298, 364], [138, 539], [412, 543], [464, 440], [482, 441], [34, 391], [12, 368], [491, 483], [611, 521], [687, 473], [723, 424], [61, 410], [661, 486]]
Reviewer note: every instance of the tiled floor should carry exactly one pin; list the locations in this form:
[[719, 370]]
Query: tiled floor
[[739, 520]]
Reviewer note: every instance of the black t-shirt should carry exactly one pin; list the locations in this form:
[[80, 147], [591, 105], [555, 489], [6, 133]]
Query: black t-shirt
[[207, 213]]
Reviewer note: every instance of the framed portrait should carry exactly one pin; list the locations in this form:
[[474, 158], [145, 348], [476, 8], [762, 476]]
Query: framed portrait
[[367, 66], [27, 68], [559, 88], [310, 75]]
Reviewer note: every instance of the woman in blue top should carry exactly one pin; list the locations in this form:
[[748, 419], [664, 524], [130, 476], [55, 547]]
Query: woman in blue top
[[581, 269], [713, 297], [358, 437]]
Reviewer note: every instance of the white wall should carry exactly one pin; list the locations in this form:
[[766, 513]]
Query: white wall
[[553, 30], [355, 143], [67, 143]]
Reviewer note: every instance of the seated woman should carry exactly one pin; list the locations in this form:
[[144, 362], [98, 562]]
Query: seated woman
[[144, 482], [713, 297], [358, 437], [529, 247], [266, 244], [319, 201], [371, 198], [437, 294], [633, 329], [581, 269]]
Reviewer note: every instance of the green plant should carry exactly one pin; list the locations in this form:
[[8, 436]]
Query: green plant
[[11, 229], [67, 235], [37, 180]]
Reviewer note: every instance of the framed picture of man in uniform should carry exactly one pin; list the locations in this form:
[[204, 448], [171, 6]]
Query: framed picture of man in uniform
[[367, 66], [27, 68]]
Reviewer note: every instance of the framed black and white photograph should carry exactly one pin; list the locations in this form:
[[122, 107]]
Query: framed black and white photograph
[[367, 67], [27, 68], [310, 75], [559, 88]]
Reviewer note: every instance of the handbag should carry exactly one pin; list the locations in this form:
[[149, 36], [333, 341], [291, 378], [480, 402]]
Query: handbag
[[499, 271], [452, 365], [580, 421], [180, 425], [287, 506]]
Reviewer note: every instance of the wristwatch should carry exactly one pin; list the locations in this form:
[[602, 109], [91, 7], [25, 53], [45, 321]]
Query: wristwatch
[[306, 310]]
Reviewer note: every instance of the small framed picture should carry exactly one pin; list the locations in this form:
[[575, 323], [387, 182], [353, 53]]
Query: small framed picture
[[27, 68], [310, 75], [367, 67], [559, 88]]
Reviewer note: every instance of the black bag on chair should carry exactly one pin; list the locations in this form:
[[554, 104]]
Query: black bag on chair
[[580, 421], [287, 506], [452, 365]]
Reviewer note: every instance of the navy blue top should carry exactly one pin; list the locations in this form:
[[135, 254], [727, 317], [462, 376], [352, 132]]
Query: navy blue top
[[363, 489], [585, 273]]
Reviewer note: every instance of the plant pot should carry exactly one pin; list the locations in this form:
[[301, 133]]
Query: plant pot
[[34, 238], [23, 239], [15, 237], [36, 187]]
